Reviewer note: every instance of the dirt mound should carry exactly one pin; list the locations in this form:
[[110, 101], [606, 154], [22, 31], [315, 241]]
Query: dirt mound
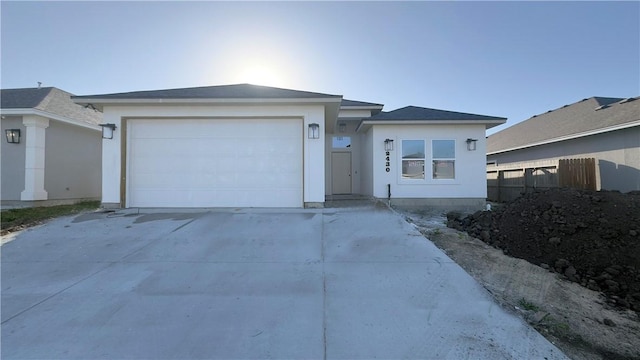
[[592, 238]]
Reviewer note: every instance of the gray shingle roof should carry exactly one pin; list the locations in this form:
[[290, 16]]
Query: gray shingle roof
[[23, 98], [237, 91], [584, 116], [420, 113], [50, 100]]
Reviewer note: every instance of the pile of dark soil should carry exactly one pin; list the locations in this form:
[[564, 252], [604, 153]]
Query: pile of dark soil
[[591, 238]]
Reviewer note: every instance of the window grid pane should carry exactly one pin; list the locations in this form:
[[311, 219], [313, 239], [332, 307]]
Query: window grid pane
[[444, 149], [444, 169], [413, 169], [413, 159], [413, 149], [444, 154]]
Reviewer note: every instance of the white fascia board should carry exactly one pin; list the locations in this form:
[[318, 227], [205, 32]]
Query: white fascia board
[[570, 137], [379, 107], [31, 111], [488, 123], [101, 102]]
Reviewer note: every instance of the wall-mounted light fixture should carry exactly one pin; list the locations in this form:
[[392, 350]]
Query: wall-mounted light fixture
[[471, 144], [342, 127], [314, 131], [388, 145], [13, 136], [107, 130]]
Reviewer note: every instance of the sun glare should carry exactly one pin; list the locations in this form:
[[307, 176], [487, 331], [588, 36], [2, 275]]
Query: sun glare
[[261, 75]]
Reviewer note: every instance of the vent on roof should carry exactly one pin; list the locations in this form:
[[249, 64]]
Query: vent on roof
[[626, 100], [602, 107]]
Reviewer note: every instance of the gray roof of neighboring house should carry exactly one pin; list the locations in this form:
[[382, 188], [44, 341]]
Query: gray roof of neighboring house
[[420, 113], [237, 91], [49, 100], [354, 103], [23, 98], [583, 117]]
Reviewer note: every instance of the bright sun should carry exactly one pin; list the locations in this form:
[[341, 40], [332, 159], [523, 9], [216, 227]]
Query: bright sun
[[260, 75]]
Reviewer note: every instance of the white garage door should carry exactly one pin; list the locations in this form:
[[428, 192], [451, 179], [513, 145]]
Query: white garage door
[[214, 163]]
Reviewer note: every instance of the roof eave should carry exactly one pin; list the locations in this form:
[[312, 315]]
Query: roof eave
[[570, 137], [366, 124], [99, 102], [32, 111], [361, 107]]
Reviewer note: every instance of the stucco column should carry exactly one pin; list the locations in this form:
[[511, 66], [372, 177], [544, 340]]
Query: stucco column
[[34, 158]]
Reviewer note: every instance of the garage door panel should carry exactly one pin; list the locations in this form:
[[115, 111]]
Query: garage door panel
[[215, 163], [221, 198]]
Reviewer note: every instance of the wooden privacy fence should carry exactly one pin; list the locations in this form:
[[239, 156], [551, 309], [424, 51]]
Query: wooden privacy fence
[[507, 182], [577, 173]]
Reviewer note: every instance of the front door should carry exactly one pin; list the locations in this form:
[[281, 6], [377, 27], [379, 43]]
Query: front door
[[341, 173]]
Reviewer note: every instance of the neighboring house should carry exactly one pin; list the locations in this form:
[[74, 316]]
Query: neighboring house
[[254, 146], [607, 129], [51, 148]]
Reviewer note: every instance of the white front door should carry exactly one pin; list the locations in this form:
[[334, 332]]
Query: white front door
[[214, 163], [341, 173]]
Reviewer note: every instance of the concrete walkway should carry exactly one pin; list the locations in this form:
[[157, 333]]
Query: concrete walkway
[[339, 283]]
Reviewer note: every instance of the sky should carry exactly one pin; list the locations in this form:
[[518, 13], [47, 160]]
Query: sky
[[507, 59]]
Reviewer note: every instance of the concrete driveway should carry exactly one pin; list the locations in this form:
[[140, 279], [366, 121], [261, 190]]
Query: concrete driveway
[[335, 283]]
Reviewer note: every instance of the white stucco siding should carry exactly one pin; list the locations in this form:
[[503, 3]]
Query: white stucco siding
[[313, 149], [470, 166], [34, 162], [72, 159], [367, 175], [353, 113]]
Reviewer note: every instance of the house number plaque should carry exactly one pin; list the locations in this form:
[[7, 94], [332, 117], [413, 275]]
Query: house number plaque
[[387, 162]]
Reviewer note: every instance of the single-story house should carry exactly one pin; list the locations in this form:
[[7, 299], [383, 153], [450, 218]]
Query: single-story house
[[255, 146], [604, 128], [52, 148]]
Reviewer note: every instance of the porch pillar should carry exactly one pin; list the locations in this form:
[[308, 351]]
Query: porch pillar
[[34, 158]]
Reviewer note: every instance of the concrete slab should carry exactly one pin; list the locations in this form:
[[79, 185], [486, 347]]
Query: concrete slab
[[176, 310], [240, 283]]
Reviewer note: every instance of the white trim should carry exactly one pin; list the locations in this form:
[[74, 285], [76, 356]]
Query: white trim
[[31, 111], [364, 123], [570, 137], [361, 107]]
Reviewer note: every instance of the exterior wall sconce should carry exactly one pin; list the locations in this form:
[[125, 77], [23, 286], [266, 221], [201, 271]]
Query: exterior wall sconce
[[342, 127], [107, 130], [13, 136], [314, 131], [471, 144], [388, 145]]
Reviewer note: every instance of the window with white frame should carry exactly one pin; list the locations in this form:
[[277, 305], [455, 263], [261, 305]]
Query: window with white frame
[[443, 159], [341, 142], [413, 159]]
